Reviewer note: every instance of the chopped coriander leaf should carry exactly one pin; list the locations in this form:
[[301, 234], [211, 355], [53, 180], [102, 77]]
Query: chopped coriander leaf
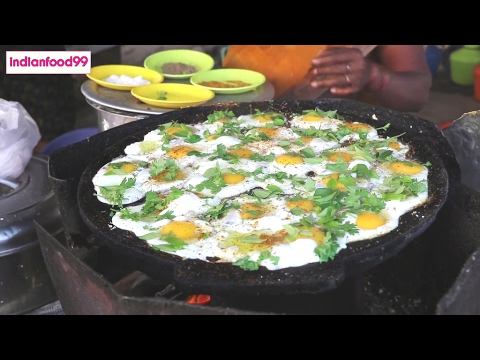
[[168, 168], [385, 127], [307, 152], [326, 251], [246, 264], [162, 95], [156, 203], [252, 239], [332, 114], [123, 167], [363, 172], [399, 187], [266, 255], [266, 158], [219, 211], [277, 118], [220, 115], [173, 243], [126, 213], [215, 181], [284, 143], [271, 192], [115, 194], [222, 153], [187, 133], [150, 236], [362, 200]]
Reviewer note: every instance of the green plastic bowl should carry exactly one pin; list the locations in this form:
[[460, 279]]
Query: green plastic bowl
[[200, 60]]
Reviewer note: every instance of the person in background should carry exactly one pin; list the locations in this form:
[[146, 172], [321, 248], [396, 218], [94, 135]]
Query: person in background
[[49, 99], [393, 76]]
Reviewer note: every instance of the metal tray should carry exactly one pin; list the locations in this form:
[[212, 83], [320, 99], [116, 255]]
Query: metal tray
[[123, 100]]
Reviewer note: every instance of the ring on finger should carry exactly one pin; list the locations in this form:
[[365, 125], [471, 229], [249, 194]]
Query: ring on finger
[[349, 69]]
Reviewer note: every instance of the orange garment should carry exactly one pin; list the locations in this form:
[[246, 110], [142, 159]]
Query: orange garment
[[284, 66]]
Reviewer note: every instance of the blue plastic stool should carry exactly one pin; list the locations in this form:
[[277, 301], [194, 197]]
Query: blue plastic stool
[[68, 138]]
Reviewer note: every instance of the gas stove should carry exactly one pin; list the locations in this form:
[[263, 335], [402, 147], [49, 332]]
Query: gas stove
[[421, 279], [91, 279]]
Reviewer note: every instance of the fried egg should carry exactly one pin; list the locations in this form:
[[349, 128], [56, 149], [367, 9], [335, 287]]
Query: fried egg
[[260, 119], [111, 178], [257, 190], [315, 120]]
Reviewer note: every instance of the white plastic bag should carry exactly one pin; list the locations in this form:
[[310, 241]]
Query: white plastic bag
[[19, 134]]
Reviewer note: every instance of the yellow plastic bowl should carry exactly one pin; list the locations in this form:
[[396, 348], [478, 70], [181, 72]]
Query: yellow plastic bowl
[[253, 78], [200, 60], [171, 95], [100, 73]]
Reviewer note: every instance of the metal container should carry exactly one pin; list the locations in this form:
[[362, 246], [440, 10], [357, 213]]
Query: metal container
[[108, 118], [25, 283]]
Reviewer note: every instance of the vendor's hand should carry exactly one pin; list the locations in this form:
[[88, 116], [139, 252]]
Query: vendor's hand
[[342, 70]]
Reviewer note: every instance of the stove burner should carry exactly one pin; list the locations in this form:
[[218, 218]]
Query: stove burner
[[90, 279], [7, 187]]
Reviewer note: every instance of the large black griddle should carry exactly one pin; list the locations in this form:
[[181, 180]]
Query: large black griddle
[[199, 276]]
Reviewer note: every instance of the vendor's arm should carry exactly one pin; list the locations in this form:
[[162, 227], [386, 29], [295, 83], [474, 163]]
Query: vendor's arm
[[401, 80]]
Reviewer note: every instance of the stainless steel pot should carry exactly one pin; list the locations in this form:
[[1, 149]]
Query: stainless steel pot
[[25, 283], [108, 118]]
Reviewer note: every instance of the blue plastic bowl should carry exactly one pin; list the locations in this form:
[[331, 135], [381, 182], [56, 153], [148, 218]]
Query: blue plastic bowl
[[69, 138]]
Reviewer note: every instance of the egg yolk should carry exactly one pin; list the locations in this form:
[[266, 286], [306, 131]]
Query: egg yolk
[[306, 140], [263, 118], [394, 145], [179, 152], [180, 229], [305, 205], [161, 176], [406, 167], [270, 132], [312, 118], [242, 153], [251, 211], [344, 156], [368, 220], [286, 159], [211, 137], [340, 185], [311, 233], [172, 130], [233, 178], [358, 127], [127, 168]]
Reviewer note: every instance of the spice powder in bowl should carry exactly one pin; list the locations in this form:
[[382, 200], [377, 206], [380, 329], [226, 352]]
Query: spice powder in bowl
[[178, 68], [225, 84]]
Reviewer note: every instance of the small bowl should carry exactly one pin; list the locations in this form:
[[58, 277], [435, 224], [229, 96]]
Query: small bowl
[[184, 60], [100, 73], [174, 95], [253, 79]]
